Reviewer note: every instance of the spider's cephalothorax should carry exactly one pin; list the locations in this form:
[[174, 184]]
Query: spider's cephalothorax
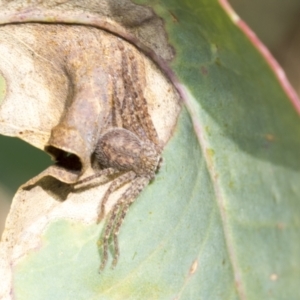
[[122, 150], [130, 149]]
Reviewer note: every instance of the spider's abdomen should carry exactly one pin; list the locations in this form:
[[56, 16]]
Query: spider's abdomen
[[121, 149]]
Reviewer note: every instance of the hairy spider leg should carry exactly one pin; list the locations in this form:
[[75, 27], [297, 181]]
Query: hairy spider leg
[[105, 172], [132, 123], [109, 227], [116, 184], [113, 222], [137, 187], [141, 104], [117, 107], [129, 119]]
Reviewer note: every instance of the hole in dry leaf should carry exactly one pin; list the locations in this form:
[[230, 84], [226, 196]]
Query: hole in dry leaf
[[65, 159]]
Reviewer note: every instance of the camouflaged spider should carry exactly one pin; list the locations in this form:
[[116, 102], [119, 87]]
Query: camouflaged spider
[[133, 150]]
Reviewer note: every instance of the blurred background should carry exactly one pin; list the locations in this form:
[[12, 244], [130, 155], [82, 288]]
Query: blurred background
[[19, 162], [276, 23]]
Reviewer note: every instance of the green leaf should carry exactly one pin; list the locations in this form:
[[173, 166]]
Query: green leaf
[[161, 238], [222, 218]]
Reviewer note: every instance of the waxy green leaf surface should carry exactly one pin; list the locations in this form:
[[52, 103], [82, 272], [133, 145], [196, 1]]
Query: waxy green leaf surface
[[222, 218]]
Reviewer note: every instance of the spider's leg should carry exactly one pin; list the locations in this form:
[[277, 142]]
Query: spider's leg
[[129, 197], [117, 107], [117, 183], [108, 230], [105, 172], [129, 116], [107, 233], [113, 218], [140, 103]]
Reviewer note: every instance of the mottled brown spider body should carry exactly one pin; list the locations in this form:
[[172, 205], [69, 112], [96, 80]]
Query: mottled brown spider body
[[123, 150], [130, 149]]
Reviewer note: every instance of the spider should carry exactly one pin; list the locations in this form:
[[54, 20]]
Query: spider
[[131, 150]]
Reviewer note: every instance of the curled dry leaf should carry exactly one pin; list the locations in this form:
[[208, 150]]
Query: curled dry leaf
[[59, 98]]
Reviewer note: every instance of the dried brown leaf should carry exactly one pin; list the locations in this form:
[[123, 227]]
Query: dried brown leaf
[[59, 98]]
